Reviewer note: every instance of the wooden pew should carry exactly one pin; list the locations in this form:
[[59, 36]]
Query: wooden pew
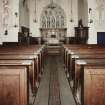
[[72, 48], [74, 57], [69, 49], [17, 56], [28, 63], [94, 85], [84, 53], [14, 85], [31, 50], [90, 55], [71, 57], [79, 76], [26, 50], [82, 50], [25, 53], [93, 57], [34, 58]]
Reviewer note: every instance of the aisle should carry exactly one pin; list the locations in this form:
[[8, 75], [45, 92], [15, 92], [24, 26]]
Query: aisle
[[54, 92], [54, 88]]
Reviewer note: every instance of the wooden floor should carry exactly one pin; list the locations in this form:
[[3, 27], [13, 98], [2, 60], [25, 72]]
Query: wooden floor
[[54, 88]]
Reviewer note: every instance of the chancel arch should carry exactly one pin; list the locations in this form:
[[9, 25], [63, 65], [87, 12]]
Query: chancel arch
[[53, 22]]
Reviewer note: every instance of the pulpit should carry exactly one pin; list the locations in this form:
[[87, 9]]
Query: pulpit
[[81, 34]]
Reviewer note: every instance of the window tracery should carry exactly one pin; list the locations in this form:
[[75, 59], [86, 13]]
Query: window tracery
[[53, 18]]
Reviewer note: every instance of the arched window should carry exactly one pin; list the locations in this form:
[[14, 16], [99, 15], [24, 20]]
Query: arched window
[[53, 17]]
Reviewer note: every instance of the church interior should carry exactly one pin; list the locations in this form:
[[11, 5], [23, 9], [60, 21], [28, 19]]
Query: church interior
[[52, 52]]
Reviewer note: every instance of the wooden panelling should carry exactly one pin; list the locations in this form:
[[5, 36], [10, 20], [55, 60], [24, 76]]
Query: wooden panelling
[[94, 86], [13, 86]]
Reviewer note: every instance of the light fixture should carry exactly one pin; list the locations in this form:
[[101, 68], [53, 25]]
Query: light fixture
[[24, 2], [90, 10], [71, 20], [91, 21], [15, 25], [35, 12], [6, 32], [51, 6], [16, 15], [90, 13]]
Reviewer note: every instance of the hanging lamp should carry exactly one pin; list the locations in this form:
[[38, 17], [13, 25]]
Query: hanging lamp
[[35, 12], [51, 6], [71, 20]]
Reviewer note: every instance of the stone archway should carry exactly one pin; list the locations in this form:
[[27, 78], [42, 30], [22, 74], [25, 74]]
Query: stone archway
[[53, 22]]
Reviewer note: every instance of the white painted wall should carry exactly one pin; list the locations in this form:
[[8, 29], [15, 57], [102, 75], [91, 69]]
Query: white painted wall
[[26, 17], [98, 24], [22, 19], [12, 20]]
